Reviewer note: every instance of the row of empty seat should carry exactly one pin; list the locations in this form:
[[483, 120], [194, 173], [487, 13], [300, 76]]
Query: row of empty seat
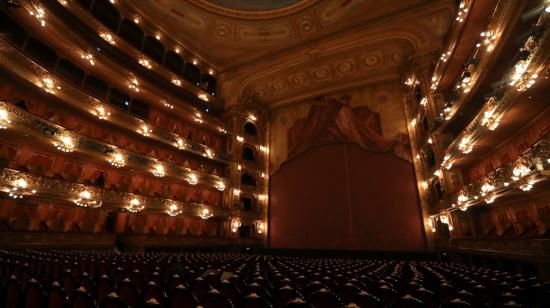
[[107, 278]]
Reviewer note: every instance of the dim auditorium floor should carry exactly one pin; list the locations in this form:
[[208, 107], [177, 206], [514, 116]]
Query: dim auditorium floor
[[108, 278]]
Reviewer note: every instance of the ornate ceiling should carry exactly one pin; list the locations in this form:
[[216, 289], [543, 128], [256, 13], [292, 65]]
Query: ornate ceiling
[[281, 51]]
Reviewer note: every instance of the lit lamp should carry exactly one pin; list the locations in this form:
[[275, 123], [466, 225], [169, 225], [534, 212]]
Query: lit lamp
[[135, 206], [205, 213], [48, 85], [208, 153], [192, 179], [260, 227], [101, 113], [20, 189], [86, 200], [431, 224], [4, 118], [65, 144], [117, 160], [180, 144], [159, 171], [173, 210], [235, 225], [220, 186], [520, 171]]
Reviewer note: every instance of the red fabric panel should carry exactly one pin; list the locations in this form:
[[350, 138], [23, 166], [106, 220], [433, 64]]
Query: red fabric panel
[[340, 196]]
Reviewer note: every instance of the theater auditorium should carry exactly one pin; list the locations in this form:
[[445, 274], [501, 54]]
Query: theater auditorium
[[274, 153]]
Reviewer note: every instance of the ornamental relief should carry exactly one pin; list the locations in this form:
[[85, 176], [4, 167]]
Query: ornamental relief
[[335, 72]]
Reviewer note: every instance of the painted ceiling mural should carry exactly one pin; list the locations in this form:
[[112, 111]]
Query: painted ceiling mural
[[372, 117]]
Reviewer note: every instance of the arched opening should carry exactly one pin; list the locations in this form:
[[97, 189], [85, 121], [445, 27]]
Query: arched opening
[[248, 179], [245, 231], [208, 83], [41, 52], [107, 14], [131, 33], [247, 203], [249, 153], [153, 48], [173, 62], [192, 74], [140, 109], [250, 129], [119, 99], [430, 158], [96, 87], [70, 72]]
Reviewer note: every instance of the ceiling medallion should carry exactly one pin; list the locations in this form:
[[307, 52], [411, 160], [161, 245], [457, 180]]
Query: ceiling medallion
[[298, 79], [345, 66], [278, 86], [321, 73], [371, 60]]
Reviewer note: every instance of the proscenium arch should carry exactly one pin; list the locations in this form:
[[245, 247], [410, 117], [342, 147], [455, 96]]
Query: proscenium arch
[[418, 38]]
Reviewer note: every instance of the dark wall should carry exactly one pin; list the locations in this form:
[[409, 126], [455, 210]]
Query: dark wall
[[339, 196]]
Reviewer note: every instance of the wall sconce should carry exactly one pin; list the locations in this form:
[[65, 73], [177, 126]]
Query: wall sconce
[[260, 227], [235, 225]]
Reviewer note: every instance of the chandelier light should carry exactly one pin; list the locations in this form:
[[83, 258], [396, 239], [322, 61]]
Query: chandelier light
[[135, 206], [134, 84], [173, 209], [101, 113], [49, 85], [4, 118], [192, 179], [144, 130], [88, 57], [85, 200], [520, 171], [117, 160], [220, 186], [205, 213], [65, 144], [20, 188], [159, 171], [145, 62], [108, 38], [465, 144], [40, 15]]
